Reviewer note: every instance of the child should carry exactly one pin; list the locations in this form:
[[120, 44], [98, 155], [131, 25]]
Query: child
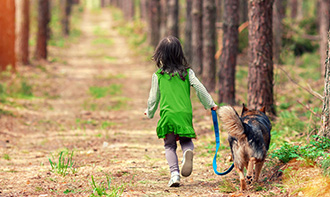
[[171, 87]]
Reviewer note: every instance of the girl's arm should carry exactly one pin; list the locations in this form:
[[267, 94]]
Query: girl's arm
[[154, 97], [201, 91]]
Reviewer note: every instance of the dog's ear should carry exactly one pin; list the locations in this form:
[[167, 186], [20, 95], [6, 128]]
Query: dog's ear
[[263, 109], [244, 109]]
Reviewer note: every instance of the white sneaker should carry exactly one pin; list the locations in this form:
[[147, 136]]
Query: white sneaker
[[187, 163], [174, 181]]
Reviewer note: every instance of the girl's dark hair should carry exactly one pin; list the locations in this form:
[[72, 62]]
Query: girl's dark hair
[[170, 58]]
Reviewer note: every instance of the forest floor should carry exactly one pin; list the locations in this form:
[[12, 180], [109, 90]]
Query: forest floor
[[89, 99]]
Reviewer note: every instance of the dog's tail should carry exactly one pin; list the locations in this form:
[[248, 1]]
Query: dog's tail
[[231, 121]]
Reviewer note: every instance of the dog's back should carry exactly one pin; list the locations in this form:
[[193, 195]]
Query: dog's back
[[249, 138]]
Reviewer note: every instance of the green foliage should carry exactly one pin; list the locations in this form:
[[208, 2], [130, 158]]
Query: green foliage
[[243, 40], [105, 188], [6, 157], [63, 164], [316, 148], [325, 165]]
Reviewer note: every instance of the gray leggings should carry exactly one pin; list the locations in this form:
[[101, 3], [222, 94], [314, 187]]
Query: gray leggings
[[170, 149]]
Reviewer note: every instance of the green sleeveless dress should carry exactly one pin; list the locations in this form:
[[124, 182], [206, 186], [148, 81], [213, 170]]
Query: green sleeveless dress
[[175, 106]]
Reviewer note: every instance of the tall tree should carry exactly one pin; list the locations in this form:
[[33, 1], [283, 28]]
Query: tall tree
[[243, 11], [154, 21], [65, 16], [144, 10], [187, 32], [325, 128], [163, 18], [42, 34], [324, 28], [23, 30], [7, 34], [260, 77], [278, 16], [209, 42], [197, 37], [173, 18], [218, 4], [294, 8], [229, 52]]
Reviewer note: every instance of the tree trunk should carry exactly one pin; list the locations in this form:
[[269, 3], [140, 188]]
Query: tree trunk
[[260, 77], [154, 21], [229, 52], [163, 18], [324, 28], [7, 34], [279, 15], [65, 15], [325, 128], [243, 11], [218, 4], [209, 42], [172, 24], [23, 30], [144, 10], [42, 34], [294, 8], [197, 37], [187, 32]]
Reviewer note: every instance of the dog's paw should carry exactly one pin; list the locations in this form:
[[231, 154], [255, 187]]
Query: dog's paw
[[249, 179]]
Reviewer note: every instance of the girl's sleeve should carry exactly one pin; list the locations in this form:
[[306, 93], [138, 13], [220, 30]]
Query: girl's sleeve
[[204, 97], [154, 97]]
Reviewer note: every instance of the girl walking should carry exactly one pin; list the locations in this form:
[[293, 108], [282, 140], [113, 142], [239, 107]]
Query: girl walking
[[171, 88]]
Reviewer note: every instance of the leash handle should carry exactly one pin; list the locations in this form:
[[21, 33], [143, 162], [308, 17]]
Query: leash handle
[[217, 140]]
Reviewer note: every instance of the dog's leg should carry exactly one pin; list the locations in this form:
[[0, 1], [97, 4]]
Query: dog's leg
[[258, 170], [241, 178], [249, 172]]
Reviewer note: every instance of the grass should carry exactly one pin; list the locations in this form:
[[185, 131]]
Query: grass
[[61, 167], [100, 92], [104, 188]]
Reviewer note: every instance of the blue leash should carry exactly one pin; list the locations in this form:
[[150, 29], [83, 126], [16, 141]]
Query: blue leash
[[217, 140]]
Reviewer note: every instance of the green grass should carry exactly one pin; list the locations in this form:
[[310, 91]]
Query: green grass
[[103, 41], [6, 157], [63, 165], [104, 188], [100, 92]]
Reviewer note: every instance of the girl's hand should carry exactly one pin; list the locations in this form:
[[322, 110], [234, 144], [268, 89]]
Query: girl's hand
[[215, 108]]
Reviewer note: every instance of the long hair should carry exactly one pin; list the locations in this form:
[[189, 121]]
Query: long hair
[[170, 58]]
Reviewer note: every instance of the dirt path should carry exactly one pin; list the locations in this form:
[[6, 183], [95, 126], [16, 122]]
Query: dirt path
[[109, 135]]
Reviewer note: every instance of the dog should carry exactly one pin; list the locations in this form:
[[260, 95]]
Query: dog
[[249, 138]]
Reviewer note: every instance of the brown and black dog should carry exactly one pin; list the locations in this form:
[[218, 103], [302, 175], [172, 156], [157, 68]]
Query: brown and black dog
[[249, 138]]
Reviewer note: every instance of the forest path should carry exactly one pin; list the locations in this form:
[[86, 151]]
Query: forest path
[[97, 90]]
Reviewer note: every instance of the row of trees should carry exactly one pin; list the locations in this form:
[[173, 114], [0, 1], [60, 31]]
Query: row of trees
[[15, 29]]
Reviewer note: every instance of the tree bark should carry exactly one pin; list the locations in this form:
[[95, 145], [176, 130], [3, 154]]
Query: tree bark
[[260, 77], [209, 42], [42, 34], [278, 16], [23, 30], [294, 8], [187, 32], [197, 37], [7, 34], [325, 128], [229, 52], [243, 11], [144, 10], [154, 22], [218, 4], [65, 15], [324, 28], [163, 18], [172, 24]]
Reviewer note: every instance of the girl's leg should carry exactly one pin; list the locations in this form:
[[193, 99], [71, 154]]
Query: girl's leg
[[170, 152], [187, 147], [186, 143]]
